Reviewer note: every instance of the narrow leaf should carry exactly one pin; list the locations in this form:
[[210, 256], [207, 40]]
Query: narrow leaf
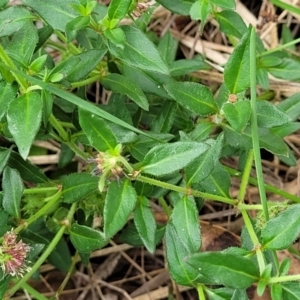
[[85, 239], [281, 231], [78, 185], [118, 9], [181, 7], [122, 85], [228, 269], [193, 96], [236, 72], [291, 106], [203, 165], [98, 133], [4, 156], [119, 203], [168, 158], [12, 191], [24, 118], [145, 223]]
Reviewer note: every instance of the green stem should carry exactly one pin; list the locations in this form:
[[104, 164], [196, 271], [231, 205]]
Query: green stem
[[268, 187], [241, 206], [71, 46], [86, 81], [200, 291], [245, 177], [65, 137], [47, 252], [255, 241], [185, 191], [33, 292], [254, 127], [284, 278], [40, 190]]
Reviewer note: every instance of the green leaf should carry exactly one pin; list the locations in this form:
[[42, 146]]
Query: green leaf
[[168, 158], [291, 106], [119, 204], [227, 4], [276, 291], [176, 251], [118, 9], [87, 63], [281, 231], [268, 115], [237, 114], [291, 290], [74, 25], [145, 223], [78, 185], [168, 47], [12, 19], [218, 181], [57, 13], [201, 131], [203, 165], [98, 133], [163, 122], [140, 52], [27, 170], [85, 239], [193, 96], [228, 269], [4, 157], [231, 23], [24, 118], [236, 71], [185, 66], [120, 84], [288, 69], [181, 7], [7, 94], [201, 10], [116, 36], [22, 45], [13, 187], [185, 220], [4, 282]]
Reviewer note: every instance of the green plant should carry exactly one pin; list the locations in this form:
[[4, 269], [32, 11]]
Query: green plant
[[185, 132]]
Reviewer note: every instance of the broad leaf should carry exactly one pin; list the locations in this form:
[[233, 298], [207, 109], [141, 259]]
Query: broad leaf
[[231, 23], [181, 7], [24, 118], [227, 4], [145, 223], [281, 231], [7, 94], [119, 204], [78, 185], [228, 269], [218, 181], [168, 158], [203, 165], [176, 251], [268, 115], [22, 45], [134, 52], [12, 19], [74, 25], [288, 69], [12, 191], [122, 85], [86, 239], [168, 47], [98, 133], [201, 131], [185, 66], [185, 220], [116, 36], [286, 129], [236, 71], [193, 96], [57, 13], [237, 114], [291, 290]]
